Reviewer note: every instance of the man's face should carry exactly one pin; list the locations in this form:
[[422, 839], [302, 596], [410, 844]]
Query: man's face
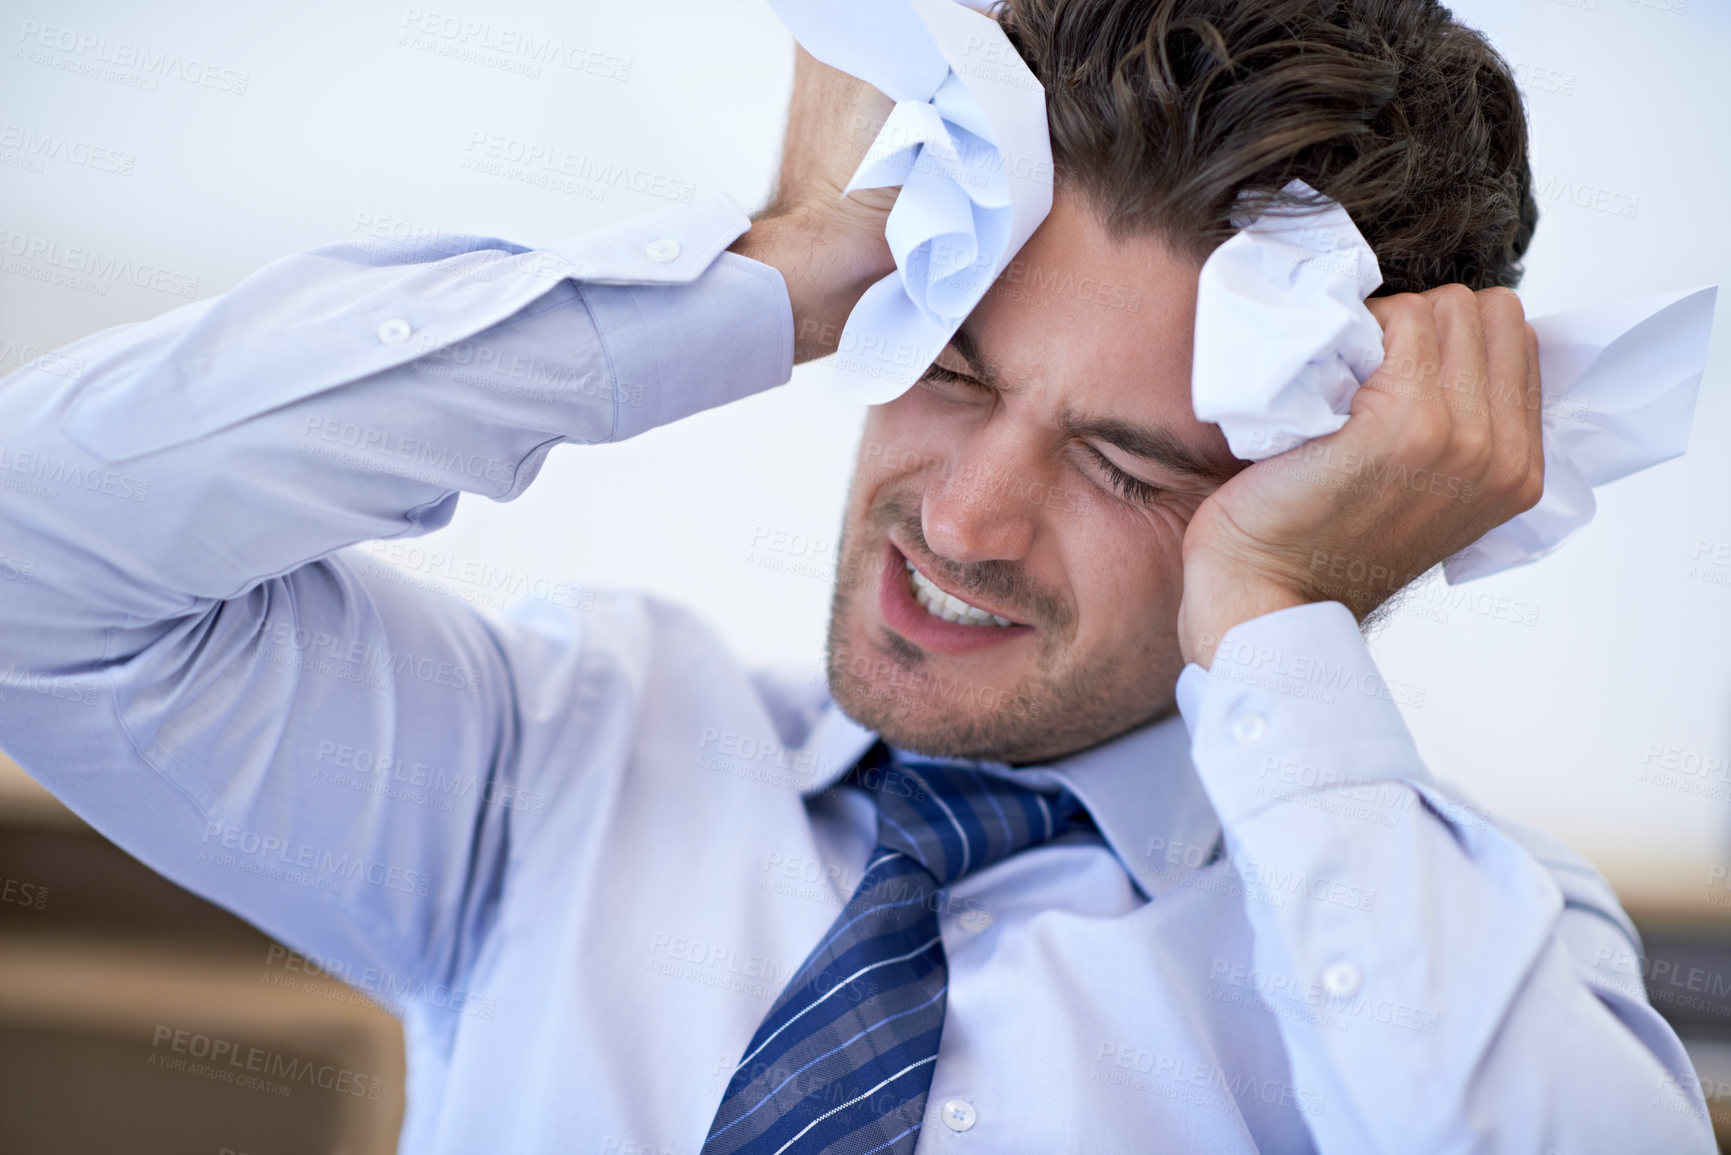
[[1044, 472]]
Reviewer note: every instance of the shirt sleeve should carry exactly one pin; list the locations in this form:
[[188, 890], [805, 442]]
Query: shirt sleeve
[[194, 658], [1460, 993]]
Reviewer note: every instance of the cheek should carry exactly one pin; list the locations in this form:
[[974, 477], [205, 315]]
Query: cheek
[[1128, 563], [1167, 522], [885, 453], [900, 438]]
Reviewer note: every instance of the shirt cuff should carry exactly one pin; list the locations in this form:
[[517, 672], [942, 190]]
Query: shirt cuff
[[685, 325], [1294, 704]]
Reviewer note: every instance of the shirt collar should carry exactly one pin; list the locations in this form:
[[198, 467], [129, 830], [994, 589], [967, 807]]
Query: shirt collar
[[1140, 788]]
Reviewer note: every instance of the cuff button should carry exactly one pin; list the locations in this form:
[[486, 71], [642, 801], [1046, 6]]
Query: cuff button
[[394, 331], [1342, 979], [1247, 728]]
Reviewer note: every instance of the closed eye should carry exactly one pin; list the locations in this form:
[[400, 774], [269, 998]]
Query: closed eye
[[1131, 488], [950, 377]]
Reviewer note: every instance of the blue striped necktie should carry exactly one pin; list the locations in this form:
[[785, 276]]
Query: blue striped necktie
[[843, 1060]]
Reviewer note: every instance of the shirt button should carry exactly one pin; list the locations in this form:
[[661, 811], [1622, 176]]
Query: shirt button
[[976, 920], [1249, 728], [1342, 979], [394, 331], [661, 251], [959, 1115]]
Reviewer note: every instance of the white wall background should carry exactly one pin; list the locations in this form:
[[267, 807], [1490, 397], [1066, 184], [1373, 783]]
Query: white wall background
[[360, 116]]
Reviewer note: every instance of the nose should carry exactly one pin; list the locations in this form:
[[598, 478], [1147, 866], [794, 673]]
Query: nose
[[979, 509]]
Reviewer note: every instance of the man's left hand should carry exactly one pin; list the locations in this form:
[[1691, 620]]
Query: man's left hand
[[1442, 445]]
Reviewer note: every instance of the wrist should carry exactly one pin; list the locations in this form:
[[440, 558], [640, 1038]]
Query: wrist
[[824, 279], [1213, 604]]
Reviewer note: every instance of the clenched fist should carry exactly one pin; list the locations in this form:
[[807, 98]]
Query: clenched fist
[[1442, 445], [828, 248]]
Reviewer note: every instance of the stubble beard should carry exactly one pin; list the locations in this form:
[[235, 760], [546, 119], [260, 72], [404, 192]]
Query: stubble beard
[[896, 691]]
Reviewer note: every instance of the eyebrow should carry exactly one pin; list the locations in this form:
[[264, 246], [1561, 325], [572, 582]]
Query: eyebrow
[[1144, 441]]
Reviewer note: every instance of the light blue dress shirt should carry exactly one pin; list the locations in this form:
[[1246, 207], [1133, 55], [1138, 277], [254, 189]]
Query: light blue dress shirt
[[578, 847]]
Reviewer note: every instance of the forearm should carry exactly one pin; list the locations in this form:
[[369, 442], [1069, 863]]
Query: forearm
[[195, 667], [337, 396], [1443, 992]]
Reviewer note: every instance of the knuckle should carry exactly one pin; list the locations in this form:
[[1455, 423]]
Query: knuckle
[[1510, 473], [1472, 444], [1408, 306], [1533, 489], [1452, 296], [1501, 306], [1422, 438], [1500, 296], [1469, 452], [1455, 302]]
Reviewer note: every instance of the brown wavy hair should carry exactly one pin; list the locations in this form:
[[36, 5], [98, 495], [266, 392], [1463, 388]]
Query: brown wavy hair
[[1163, 111]]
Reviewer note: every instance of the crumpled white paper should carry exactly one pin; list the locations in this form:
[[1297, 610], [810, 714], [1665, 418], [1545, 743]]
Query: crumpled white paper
[[967, 142], [1282, 334], [1619, 383], [1283, 340]]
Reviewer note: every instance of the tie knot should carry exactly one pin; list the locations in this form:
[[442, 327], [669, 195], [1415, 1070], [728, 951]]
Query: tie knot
[[954, 820]]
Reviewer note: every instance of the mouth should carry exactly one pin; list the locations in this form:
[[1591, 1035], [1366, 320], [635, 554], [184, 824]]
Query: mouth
[[933, 618], [947, 606]]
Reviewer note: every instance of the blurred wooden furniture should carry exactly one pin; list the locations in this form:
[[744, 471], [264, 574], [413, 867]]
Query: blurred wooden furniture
[[136, 1017]]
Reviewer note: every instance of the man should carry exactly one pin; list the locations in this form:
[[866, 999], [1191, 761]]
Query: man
[[1259, 924]]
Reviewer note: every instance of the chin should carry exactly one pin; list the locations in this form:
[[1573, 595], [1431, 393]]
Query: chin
[[954, 734], [915, 701], [940, 717], [1018, 704]]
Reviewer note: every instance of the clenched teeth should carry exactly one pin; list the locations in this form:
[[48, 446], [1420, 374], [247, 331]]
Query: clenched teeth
[[952, 609]]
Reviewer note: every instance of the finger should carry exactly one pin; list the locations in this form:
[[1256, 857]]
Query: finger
[[1504, 323], [1535, 407], [1402, 395], [1534, 398], [1464, 377]]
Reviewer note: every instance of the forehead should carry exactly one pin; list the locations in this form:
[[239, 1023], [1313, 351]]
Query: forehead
[[1102, 324]]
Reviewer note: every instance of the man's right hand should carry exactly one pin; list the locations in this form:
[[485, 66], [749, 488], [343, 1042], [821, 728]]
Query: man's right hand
[[828, 248]]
